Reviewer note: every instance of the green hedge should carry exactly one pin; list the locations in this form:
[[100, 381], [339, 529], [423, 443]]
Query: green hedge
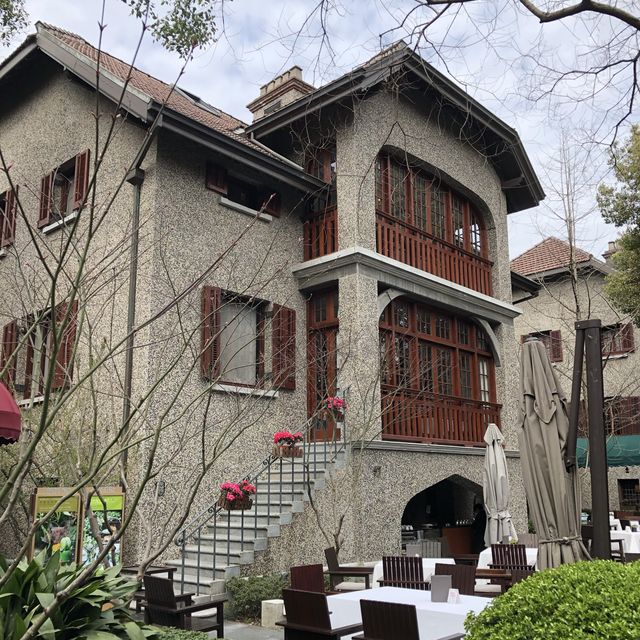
[[179, 634], [247, 594], [588, 600]]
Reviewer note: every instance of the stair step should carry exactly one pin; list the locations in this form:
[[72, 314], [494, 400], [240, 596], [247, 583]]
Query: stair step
[[207, 572], [250, 530], [235, 542]]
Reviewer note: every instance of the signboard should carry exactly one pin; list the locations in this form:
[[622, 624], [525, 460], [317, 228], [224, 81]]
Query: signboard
[[102, 520], [60, 532]]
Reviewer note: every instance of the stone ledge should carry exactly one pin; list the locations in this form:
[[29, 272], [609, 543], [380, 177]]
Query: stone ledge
[[419, 447]]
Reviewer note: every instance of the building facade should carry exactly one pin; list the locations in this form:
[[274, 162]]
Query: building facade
[[572, 288], [351, 241]]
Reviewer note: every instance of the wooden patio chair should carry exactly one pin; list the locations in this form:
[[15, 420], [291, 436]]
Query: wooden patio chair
[[336, 571], [518, 574], [617, 546], [506, 556], [391, 621], [307, 577], [167, 609], [463, 576], [631, 557], [404, 572], [308, 617], [467, 558]]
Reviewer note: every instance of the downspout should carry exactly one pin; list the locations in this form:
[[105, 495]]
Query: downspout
[[135, 178]]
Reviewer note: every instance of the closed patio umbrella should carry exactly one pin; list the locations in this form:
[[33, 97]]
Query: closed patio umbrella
[[9, 417], [495, 486], [552, 492]]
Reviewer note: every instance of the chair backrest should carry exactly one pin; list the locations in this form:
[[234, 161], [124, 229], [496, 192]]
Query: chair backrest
[[307, 577], [306, 608], [463, 576], [519, 574], [399, 569], [332, 559], [389, 621], [509, 555], [159, 593]]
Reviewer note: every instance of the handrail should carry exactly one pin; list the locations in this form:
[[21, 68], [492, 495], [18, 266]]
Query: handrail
[[261, 476]]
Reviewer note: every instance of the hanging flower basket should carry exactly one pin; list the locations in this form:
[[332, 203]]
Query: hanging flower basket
[[236, 497], [286, 444], [333, 409]]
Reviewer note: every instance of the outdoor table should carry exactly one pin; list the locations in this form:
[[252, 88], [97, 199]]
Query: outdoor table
[[152, 569], [486, 558], [435, 619], [630, 540], [428, 569]]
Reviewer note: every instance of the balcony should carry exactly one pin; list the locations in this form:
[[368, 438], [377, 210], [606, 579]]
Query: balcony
[[436, 419], [321, 234], [418, 249]]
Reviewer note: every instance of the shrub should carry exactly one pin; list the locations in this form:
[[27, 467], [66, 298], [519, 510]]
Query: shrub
[[248, 593], [96, 609], [597, 599], [180, 634]]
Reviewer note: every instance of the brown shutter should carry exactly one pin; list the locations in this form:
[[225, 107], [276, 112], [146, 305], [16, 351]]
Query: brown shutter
[[627, 338], [555, 351], [9, 231], [28, 369], [7, 355], [210, 348], [283, 340], [81, 179], [46, 200], [216, 178], [64, 358]]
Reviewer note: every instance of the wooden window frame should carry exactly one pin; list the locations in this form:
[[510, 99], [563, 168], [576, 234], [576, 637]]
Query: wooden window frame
[[622, 333], [8, 212], [552, 340]]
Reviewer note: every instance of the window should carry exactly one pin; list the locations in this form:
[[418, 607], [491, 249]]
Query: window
[[416, 198], [552, 341], [252, 195], [629, 493], [425, 351], [64, 190], [322, 164], [8, 206], [233, 334], [617, 339], [622, 415], [34, 357]]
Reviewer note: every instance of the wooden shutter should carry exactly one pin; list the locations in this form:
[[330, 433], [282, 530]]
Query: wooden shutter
[[9, 228], [216, 178], [628, 345], [64, 357], [7, 355], [210, 348], [555, 347], [283, 338], [81, 179], [46, 200], [28, 369]]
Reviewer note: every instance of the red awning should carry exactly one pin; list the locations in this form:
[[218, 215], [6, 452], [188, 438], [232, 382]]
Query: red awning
[[9, 417]]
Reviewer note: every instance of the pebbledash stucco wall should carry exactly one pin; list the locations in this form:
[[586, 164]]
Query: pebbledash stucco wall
[[372, 504], [555, 308], [49, 119]]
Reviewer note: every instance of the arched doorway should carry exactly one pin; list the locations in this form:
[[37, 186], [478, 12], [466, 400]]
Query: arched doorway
[[442, 510]]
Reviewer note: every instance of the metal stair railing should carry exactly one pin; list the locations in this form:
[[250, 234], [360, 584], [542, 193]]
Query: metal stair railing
[[268, 471]]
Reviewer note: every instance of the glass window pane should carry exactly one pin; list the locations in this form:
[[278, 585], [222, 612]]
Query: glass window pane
[[420, 193], [398, 191], [463, 332], [401, 314], [483, 380], [445, 373], [403, 373], [425, 357], [443, 327], [438, 224], [238, 344], [424, 321], [476, 236], [466, 384], [458, 221]]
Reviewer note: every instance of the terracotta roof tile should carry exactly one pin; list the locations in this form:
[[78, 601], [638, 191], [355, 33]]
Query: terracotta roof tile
[[157, 89], [551, 253]]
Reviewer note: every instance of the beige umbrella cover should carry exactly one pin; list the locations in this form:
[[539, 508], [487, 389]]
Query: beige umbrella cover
[[552, 492], [495, 486]]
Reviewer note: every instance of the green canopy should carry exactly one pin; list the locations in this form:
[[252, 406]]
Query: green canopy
[[622, 451]]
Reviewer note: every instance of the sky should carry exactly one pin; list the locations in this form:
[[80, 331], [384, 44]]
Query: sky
[[498, 54]]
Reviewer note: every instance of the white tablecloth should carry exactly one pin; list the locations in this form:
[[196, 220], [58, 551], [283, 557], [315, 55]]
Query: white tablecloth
[[630, 540], [485, 558], [435, 619], [428, 568]]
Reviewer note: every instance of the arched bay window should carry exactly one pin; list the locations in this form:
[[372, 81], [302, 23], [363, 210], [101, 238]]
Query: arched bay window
[[437, 376], [424, 223]]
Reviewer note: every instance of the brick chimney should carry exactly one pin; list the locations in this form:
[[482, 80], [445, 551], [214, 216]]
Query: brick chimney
[[611, 249], [281, 91]]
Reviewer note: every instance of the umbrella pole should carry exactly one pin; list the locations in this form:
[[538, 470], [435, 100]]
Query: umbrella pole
[[601, 545]]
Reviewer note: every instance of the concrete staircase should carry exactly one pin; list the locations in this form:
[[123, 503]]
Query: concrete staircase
[[217, 549]]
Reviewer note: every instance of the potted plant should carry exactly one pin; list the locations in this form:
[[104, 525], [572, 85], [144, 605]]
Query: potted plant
[[236, 496], [333, 407], [286, 444]]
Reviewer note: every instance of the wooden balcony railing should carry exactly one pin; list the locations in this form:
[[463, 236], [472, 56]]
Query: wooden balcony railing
[[412, 246], [445, 420], [321, 234]]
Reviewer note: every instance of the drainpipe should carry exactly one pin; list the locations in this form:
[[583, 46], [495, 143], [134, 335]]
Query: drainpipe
[[135, 178]]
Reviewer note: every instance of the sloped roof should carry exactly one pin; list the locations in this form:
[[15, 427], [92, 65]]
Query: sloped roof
[[549, 254], [492, 136]]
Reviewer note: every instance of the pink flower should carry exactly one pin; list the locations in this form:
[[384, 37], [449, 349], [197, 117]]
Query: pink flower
[[230, 497]]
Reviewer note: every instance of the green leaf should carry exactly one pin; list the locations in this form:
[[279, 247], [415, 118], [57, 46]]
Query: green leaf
[[133, 631]]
